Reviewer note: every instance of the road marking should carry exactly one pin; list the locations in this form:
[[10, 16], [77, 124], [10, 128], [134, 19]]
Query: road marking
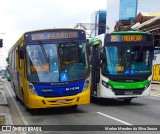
[[19, 111], [113, 118]]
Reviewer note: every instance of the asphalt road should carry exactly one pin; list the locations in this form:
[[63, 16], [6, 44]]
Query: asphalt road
[[141, 111]]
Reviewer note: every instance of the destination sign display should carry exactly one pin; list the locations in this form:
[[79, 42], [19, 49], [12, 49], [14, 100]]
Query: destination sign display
[[55, 35], [126, 38], [131, 38]]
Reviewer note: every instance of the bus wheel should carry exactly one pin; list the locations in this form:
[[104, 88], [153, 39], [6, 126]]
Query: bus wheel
[[26, 107], [33, 111], [127, 100], [93, 99]]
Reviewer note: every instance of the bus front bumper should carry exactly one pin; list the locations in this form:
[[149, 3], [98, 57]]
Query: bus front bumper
[[35, 101], [105, 93]]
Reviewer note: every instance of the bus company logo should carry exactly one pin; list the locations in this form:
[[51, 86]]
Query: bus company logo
[[129, 80], [118, 86], [46, 90], [6, 128], [72, 88]]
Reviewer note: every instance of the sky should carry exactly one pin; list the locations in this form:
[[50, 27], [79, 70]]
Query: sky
[[19, 16]]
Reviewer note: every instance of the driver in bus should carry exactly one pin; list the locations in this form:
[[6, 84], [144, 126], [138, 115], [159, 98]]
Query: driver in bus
[[36, 60]]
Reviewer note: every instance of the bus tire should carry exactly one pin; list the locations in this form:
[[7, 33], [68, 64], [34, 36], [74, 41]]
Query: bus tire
[[127, 100], [74, 107], [93, 99], [26, 107]]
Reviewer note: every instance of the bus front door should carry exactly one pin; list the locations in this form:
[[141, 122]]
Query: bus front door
[[18, 73], [95, 73]]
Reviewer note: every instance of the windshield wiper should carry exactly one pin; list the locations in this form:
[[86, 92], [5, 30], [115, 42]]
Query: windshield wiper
[[44, 52]]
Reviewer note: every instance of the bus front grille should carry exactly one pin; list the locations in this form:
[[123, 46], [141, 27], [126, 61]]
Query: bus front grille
[[128, 92], [60, 94]]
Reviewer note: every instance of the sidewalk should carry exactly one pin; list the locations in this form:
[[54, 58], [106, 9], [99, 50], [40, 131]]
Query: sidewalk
[[5, 117], [155, 91]]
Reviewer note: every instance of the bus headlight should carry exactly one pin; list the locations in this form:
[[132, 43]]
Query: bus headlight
[[32, 89], [150, 78], [86, 84], [147, 85], [106, 85]]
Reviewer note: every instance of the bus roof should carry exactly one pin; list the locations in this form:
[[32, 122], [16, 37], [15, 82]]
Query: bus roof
[[129, 32], [50, 29]]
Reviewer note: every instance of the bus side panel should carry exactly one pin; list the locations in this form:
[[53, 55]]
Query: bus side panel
[[23, 81], [14, 74]]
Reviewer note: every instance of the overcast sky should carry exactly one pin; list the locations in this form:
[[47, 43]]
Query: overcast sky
[[19, 16]]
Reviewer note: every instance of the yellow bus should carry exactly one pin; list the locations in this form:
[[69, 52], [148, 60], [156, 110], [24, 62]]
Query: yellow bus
[[156, 65], [49, 68]]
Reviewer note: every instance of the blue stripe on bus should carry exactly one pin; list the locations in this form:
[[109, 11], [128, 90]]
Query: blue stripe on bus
[[48, 90]]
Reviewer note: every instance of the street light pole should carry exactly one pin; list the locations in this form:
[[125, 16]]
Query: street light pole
[[1, 41], [2, 60]]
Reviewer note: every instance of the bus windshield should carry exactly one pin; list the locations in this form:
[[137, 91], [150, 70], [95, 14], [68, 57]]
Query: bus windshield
[[124, 60], [56, 62]]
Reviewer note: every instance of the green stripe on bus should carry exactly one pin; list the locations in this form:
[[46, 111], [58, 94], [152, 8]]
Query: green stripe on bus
[[128, 85]]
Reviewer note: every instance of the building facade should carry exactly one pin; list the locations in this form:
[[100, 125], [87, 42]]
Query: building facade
[[128, 10], [99, 19]]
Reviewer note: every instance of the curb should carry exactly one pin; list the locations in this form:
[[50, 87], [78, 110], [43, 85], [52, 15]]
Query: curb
[[8, 118], [3, 100], [4, 106], [4, 103]]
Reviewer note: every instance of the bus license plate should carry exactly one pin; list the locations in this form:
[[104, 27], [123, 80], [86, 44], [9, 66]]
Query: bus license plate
[[128, 92], [61, 101]]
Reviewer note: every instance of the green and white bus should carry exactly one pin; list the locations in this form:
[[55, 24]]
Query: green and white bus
[[122, 65]]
